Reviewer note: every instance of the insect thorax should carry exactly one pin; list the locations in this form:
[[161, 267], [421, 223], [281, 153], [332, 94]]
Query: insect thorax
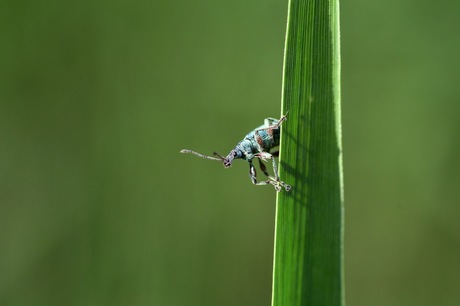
[[257, 141]]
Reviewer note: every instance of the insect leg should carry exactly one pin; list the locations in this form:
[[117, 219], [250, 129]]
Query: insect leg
[[282, 119], [266, 156], [253, 176], [271, 123], [263, 168], [275, 170], [276, 180]]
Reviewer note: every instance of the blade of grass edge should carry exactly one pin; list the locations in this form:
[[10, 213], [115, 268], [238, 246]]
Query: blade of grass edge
[[308, 257]]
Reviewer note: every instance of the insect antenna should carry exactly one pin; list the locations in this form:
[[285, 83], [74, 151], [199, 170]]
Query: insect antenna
[[218, 155], [201, 155]]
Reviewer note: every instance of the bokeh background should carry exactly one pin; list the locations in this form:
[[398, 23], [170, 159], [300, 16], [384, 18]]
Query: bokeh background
[[97, 206]]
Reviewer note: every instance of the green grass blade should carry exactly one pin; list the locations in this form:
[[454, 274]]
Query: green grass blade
[[308, 263]]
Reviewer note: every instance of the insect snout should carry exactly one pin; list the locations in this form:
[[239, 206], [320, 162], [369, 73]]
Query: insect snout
[[227, 162], [229, 158]]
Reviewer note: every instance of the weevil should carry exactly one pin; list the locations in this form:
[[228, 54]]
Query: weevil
[[256, 144]]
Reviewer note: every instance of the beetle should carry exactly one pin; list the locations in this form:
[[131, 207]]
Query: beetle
[[256, 144]]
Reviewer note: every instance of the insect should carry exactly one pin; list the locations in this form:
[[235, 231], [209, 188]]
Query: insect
[[256, 144]]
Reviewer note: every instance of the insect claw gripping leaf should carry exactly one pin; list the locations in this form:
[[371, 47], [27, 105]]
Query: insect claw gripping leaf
[[256, 144]]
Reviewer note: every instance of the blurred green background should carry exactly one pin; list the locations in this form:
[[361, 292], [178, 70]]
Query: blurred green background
[[97, 206]]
